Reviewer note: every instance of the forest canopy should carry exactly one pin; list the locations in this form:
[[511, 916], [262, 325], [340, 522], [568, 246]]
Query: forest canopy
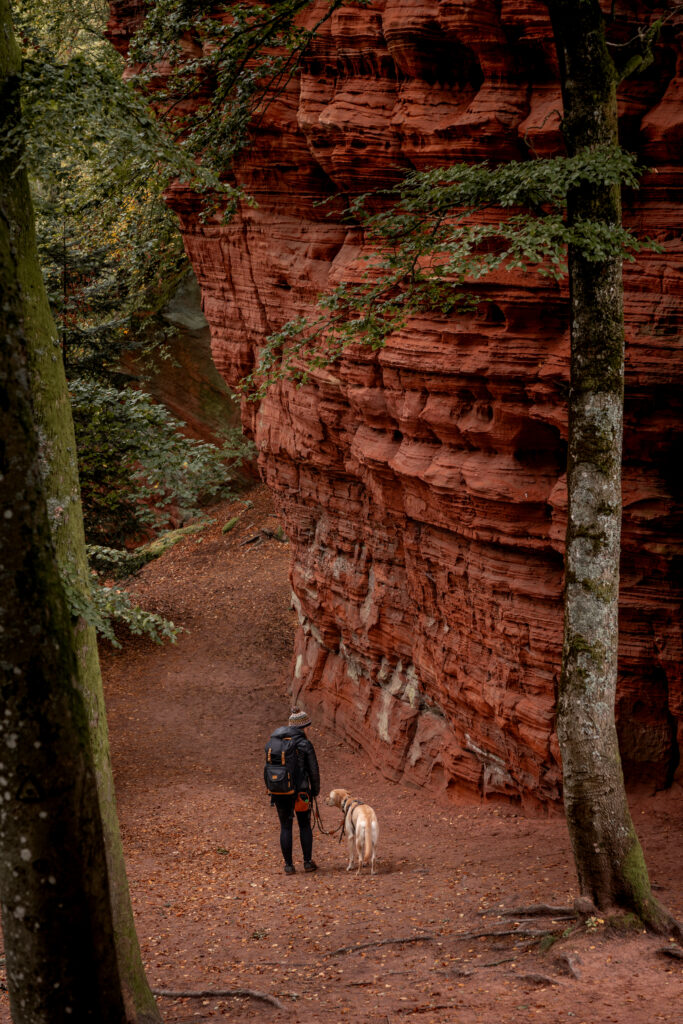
[[99, 160]]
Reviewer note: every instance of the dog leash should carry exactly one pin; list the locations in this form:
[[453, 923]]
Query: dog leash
[[318, 821]]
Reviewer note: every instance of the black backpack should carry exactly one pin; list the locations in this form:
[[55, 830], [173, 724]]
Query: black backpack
[[281, 772]]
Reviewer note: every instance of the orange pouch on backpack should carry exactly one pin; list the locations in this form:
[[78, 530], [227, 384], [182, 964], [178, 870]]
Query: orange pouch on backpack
[[303, 802]]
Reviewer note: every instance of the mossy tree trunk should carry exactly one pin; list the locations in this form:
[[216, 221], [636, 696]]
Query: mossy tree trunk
[[56, 916], [609, 860], [57, 461], [54, 888]]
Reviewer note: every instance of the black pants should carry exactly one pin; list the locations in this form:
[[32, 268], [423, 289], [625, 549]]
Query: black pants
[[285, 812]]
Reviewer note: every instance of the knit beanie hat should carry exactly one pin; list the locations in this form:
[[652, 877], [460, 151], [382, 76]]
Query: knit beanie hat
[[299, 719]]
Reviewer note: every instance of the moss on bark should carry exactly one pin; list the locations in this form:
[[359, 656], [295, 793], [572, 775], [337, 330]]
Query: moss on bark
[[609, 860], [58, 465], [58, 931]]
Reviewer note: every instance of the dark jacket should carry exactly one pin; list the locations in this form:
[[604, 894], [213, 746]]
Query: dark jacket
[[309, 773]]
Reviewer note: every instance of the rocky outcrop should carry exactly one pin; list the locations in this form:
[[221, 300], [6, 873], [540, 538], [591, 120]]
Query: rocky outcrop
[[422, 487]]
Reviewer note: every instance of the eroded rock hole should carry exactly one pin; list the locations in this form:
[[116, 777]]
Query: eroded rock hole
[[540, 446]]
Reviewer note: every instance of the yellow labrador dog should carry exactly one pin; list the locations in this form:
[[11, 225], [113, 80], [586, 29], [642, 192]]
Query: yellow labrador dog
[[360, 825]]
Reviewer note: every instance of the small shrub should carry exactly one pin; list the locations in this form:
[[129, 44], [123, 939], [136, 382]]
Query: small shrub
[[139, 473], [107, 607]]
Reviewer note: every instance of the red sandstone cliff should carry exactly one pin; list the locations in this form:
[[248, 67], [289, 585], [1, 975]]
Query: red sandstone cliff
[[422, 487]]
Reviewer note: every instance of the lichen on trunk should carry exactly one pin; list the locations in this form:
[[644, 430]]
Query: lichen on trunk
[[59, 473], [609, 860]]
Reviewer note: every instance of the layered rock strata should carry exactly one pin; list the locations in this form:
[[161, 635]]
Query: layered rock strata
[[422, 487]]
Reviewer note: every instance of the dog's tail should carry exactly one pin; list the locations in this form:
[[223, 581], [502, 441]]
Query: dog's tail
[[371, 834]]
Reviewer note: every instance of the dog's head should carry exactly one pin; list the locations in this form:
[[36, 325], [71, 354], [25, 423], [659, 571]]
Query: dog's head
[[336, 798]]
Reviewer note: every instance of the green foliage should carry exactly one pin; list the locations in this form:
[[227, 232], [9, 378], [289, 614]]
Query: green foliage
[[75, 100], [107, 608], [234, 59], [118, 563], [110, 264], [107, 269], [99, 161], [440, 232], [231, 60], [114, 607], [139, 473]]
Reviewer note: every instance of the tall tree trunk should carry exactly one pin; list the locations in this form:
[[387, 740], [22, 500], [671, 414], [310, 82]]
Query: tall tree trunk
[[59, 938], [57, 450], [609, 860]]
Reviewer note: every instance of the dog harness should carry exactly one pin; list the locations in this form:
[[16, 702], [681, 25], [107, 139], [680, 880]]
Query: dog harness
[[347, 804]]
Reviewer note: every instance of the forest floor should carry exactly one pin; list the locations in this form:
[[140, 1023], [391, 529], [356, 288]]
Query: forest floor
[[426, 937]]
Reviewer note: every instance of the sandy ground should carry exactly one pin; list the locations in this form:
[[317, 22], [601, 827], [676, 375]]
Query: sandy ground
[[426, 937]]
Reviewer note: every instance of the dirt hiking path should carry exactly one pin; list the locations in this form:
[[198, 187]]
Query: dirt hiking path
[[214, 910]]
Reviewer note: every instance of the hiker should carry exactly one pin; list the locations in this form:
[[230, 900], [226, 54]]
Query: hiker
[[293, 779]]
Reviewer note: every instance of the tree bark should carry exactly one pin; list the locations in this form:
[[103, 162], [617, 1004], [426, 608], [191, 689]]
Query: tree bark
[[58, 467], [60, 952], [609, 860]]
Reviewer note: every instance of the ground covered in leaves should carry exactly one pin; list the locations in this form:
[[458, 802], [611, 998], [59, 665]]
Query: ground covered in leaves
[[429, 936]]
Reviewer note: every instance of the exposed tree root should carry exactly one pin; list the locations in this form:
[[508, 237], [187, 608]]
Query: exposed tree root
[[650, 914], [380, 942], [429, 1008], [537, 910], [673, 951], [567, 964], [370, 981], [653, 916], [210, 993], [523, 933], [537, 979], [657, 919]]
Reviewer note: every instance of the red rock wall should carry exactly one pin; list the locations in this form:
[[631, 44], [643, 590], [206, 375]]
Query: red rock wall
[[422, 487]]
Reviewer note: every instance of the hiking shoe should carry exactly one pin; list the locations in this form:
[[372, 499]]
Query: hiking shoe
[[310, 865], [290, 869]]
